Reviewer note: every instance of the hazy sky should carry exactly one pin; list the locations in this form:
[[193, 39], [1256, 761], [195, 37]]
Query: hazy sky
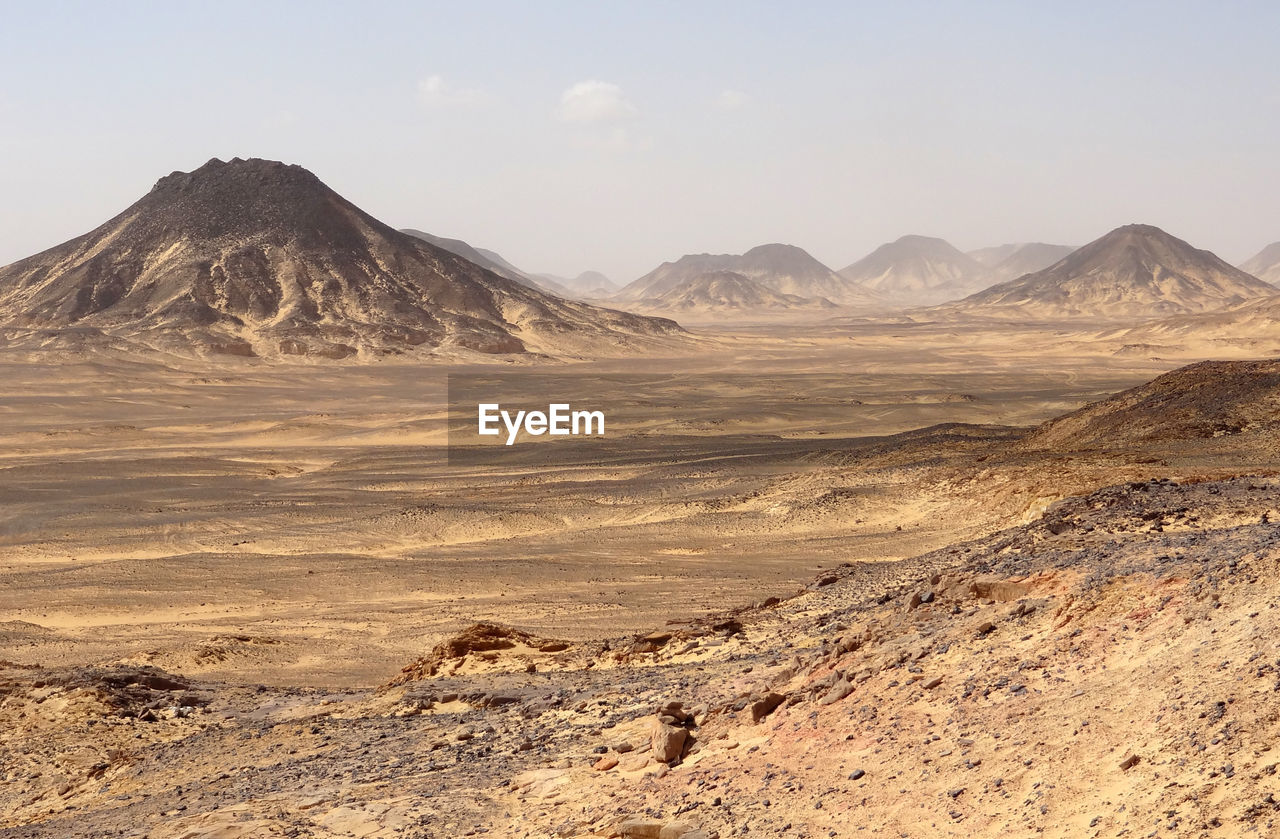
[[615, 135]]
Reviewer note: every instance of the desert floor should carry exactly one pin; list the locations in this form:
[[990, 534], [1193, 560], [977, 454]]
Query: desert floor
[[289, 537], [148, 508]]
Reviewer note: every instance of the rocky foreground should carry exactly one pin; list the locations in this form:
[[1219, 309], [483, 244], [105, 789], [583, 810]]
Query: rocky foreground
[[1109, 669]]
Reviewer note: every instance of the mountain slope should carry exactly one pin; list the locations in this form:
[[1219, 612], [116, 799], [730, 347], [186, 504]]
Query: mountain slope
[[1209, 399], [783, 268], [1266, 265], [727, 291], [918, 269], [481, 257], [256, 257], [494, 261], [1133, 271]]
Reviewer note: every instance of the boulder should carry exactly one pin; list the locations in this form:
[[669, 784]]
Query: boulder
[[1000, 591], [838, 691], [668, 741], [762, 705]]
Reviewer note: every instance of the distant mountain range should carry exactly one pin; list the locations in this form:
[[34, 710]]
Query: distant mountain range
[[722, 292], [922, 270], [785, 269], [254, 257], [1133, 271]]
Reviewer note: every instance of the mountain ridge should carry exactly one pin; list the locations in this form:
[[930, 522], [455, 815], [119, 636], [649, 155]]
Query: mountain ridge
[[727, 291], [786, 269]]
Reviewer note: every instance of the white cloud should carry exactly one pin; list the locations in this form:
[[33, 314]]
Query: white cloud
[[732, 100], [434, 91], [594, 101]]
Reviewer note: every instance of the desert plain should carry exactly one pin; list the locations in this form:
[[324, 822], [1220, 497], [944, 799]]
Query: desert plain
[[151, 505], [248, 598]]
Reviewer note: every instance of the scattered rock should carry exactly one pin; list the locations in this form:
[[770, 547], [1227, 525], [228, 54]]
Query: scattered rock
[[668, 741]]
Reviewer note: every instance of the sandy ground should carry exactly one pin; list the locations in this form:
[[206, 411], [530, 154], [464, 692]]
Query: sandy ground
[[207, 568], [147, 508]]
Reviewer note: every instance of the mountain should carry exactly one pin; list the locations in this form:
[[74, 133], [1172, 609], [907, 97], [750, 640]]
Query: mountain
[[256, 257], [588, 284], [1008, 262], [1266, 265], [782, 268], [1133, 271], [727, 291], [918, 269]]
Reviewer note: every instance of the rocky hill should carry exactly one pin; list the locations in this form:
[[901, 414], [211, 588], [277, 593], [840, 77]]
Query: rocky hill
[[1206, 400], [255, 257], [1136, 271]]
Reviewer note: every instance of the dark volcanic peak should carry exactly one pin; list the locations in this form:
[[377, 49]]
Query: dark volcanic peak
[[1133, 271], [261, 200], [918, 269], [257, 257], [786, 269]]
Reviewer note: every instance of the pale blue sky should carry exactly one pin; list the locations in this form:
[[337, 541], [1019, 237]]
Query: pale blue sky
[[709, 127]]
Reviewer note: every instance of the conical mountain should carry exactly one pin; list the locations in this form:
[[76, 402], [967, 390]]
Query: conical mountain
[[783, 268], [1266, 265], [1133, 271], [918, 269], [257, 257]]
